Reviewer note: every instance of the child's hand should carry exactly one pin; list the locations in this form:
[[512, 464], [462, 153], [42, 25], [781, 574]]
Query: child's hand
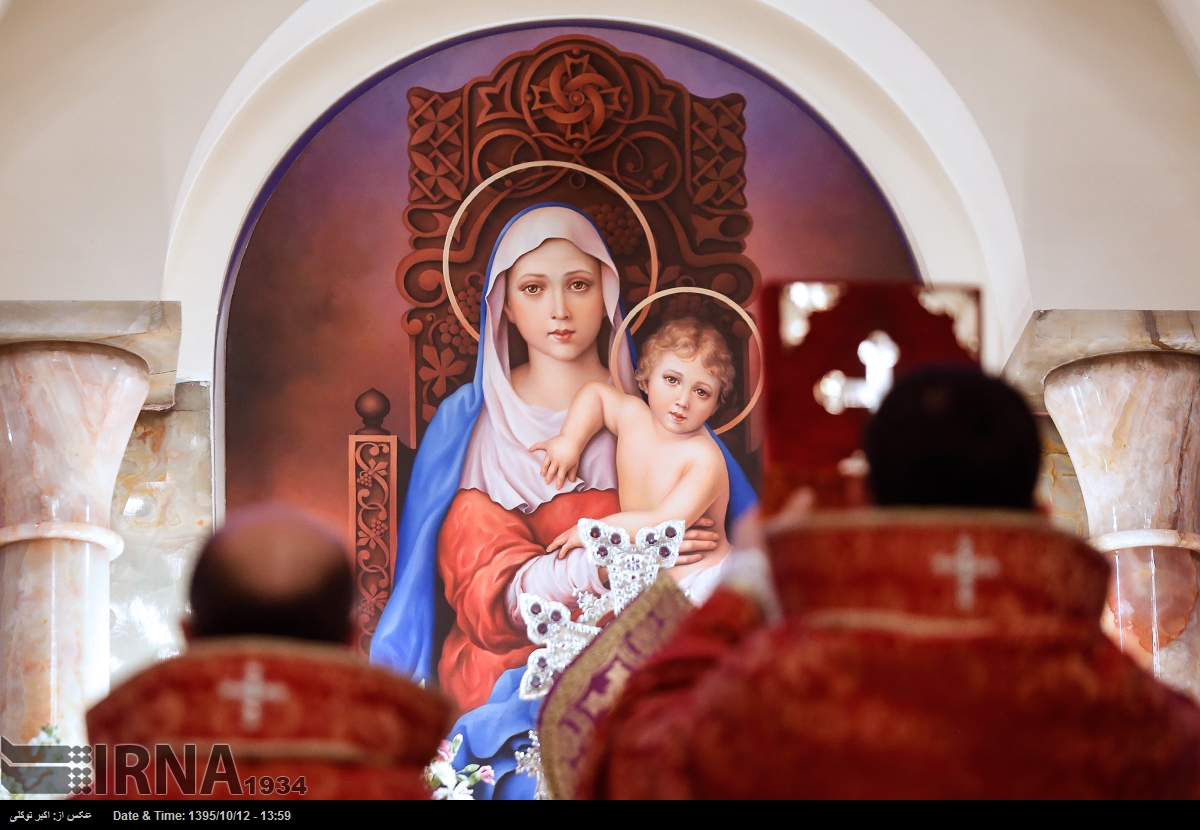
[[562, 459], [565, 542]]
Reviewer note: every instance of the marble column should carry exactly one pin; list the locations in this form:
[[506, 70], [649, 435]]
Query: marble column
[[66, 413], [1131, 423], [1123, 390]]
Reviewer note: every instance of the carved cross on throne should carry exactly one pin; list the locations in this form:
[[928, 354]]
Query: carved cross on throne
[[575, 99]]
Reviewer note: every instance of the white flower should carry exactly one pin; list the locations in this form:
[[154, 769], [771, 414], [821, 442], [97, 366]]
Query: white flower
[[47, 736], [442, 774], [448, 783], [461, 792]]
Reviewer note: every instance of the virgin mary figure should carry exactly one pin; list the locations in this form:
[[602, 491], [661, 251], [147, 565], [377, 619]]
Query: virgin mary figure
[[478, 510]]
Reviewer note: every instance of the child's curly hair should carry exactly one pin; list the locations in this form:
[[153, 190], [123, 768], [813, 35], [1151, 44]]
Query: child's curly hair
[[687, 337]]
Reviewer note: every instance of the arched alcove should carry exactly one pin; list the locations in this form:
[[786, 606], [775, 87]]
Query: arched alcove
[[855, 69]]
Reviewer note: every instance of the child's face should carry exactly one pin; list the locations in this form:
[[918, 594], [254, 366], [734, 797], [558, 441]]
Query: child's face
[[682, 395]]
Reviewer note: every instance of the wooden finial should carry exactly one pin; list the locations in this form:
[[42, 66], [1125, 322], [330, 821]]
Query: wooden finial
[[372, 406]]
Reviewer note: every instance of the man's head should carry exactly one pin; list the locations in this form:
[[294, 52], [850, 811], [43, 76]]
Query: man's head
[[956, 437], [686, 370], [272, 571]]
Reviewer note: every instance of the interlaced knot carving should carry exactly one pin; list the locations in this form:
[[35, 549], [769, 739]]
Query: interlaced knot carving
[[576, 99]]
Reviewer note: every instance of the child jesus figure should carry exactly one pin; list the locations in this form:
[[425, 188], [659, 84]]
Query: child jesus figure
[[668, 465]]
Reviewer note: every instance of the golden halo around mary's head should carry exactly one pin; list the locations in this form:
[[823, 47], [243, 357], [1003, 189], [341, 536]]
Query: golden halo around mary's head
[[526, 165], [690, 289]]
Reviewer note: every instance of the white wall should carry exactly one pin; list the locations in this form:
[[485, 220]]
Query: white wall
[[101, 105], [1092, 111], [1184, 16]]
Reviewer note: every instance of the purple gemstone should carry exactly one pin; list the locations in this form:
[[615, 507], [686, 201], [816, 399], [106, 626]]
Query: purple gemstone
[[670, 531], [649, 538], [535, 682], [664, 552], [602, 552], [594, 532], [542, 628], [541, 662], [535, 609], [555, 616], [615, 538]]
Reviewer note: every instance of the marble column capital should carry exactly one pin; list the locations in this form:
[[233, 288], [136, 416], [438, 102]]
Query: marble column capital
[[1056, 337], [66, 413], [148, 329], [1123, 390], [67, 409]]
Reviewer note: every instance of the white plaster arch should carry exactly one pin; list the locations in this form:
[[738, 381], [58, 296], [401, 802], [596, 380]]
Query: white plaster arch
[[847, 60]]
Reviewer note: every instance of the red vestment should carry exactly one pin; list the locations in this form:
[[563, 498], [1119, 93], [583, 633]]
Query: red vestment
[[351, 730], [480, 549], [927, 654]]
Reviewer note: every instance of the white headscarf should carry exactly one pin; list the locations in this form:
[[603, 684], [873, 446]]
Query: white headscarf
[[498, 459]]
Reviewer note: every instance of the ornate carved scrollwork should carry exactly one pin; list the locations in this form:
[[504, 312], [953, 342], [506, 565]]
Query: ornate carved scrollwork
[[373, 517], [576, 99], [373, 489]]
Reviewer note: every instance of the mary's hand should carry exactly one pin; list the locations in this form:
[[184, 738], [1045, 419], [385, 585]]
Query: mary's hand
[[565, 542], [697, 541]]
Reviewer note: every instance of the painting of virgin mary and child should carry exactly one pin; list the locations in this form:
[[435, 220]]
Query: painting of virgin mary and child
[[513, 440], [512, 461]]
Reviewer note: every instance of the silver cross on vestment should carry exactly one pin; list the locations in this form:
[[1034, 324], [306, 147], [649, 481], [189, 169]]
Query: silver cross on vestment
[[965, 567], [632, 566], [252, 691], [529, 762]]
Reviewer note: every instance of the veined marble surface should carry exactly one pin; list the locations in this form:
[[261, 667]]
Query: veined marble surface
[[66, 411], [1055, 337], [150, 330], [1132, 425], [1058, 486], [162, 506]]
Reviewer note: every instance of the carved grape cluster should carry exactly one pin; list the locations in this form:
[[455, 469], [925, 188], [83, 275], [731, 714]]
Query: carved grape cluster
[[621, 229], [449, 332], [371, 604]]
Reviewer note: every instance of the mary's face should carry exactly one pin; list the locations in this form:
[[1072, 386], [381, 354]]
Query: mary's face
[[554, 297]]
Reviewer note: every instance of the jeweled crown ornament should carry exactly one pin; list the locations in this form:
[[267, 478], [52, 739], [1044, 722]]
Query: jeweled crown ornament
[[632, 568]]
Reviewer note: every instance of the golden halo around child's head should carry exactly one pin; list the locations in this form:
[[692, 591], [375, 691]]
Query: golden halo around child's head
[[690, 289], [526, 165]]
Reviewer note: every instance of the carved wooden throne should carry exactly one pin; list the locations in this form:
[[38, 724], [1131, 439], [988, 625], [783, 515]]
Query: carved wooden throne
[[576, 99]]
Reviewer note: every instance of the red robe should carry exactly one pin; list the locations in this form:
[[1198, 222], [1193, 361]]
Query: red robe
[[886, 681], [480, 549], [350, 730]]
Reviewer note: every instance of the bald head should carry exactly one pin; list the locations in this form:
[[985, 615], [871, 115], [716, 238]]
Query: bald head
[[272, 571]]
